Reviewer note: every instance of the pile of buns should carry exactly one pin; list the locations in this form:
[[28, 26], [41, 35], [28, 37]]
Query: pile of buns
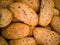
[[29, 22]]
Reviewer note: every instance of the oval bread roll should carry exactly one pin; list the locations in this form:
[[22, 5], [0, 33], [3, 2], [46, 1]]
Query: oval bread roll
[[46, 12], [16, 31], [45, 36], [23, 41], [5, 17], [55, 24], [24, 13]]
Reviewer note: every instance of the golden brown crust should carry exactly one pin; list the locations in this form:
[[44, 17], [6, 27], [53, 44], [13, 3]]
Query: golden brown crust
[[45, 36], [6, 17], [23, 41], [34, 4], [24, 13], [15, 31], [55, 24], [46, 12]]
